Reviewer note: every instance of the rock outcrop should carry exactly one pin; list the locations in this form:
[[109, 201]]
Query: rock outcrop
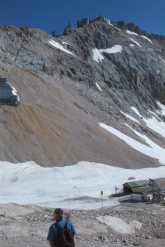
[[70, 83]]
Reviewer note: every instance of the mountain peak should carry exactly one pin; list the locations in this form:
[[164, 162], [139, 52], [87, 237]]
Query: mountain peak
[[96, 73]]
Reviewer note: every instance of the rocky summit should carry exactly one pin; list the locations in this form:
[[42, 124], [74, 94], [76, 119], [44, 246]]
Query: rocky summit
[[96, 73]]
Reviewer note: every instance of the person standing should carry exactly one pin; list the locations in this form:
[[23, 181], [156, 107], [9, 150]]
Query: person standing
[[62, 232]]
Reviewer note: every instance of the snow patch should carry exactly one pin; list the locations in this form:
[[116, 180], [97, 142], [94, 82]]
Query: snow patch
[[97, 56], [135, 42], [108, 22], [119, 225], [64, 43], [113, 49], [130, 117], [14, 91], [144, 37], [155, 125], [60, 47], [162, 108], [136, 111], [144, 138], [162, 59], [98, 87], [117, 28], [132, 33], [132, 45], [153, 113], [154, 150]]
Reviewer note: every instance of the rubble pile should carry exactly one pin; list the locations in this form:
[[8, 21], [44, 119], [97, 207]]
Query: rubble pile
[[33, 222]]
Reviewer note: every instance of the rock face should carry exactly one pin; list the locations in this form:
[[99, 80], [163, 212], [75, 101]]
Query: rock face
[[68, 84], [137, 70]]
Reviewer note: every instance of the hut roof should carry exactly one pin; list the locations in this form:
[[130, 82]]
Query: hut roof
[[134, 184]]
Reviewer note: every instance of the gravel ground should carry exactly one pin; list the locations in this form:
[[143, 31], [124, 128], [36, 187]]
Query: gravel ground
[[22, 226]]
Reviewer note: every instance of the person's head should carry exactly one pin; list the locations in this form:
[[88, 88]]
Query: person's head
[[58, 214]]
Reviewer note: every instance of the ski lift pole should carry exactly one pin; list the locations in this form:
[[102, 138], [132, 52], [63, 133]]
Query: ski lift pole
[[101, 195]]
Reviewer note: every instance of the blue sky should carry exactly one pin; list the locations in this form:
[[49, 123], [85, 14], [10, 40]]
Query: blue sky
[[54, 14]]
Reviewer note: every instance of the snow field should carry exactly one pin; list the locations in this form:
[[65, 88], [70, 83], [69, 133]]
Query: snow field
[[77, 186]]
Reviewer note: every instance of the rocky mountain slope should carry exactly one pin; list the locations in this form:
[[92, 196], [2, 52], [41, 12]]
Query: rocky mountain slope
[[69, 84]]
